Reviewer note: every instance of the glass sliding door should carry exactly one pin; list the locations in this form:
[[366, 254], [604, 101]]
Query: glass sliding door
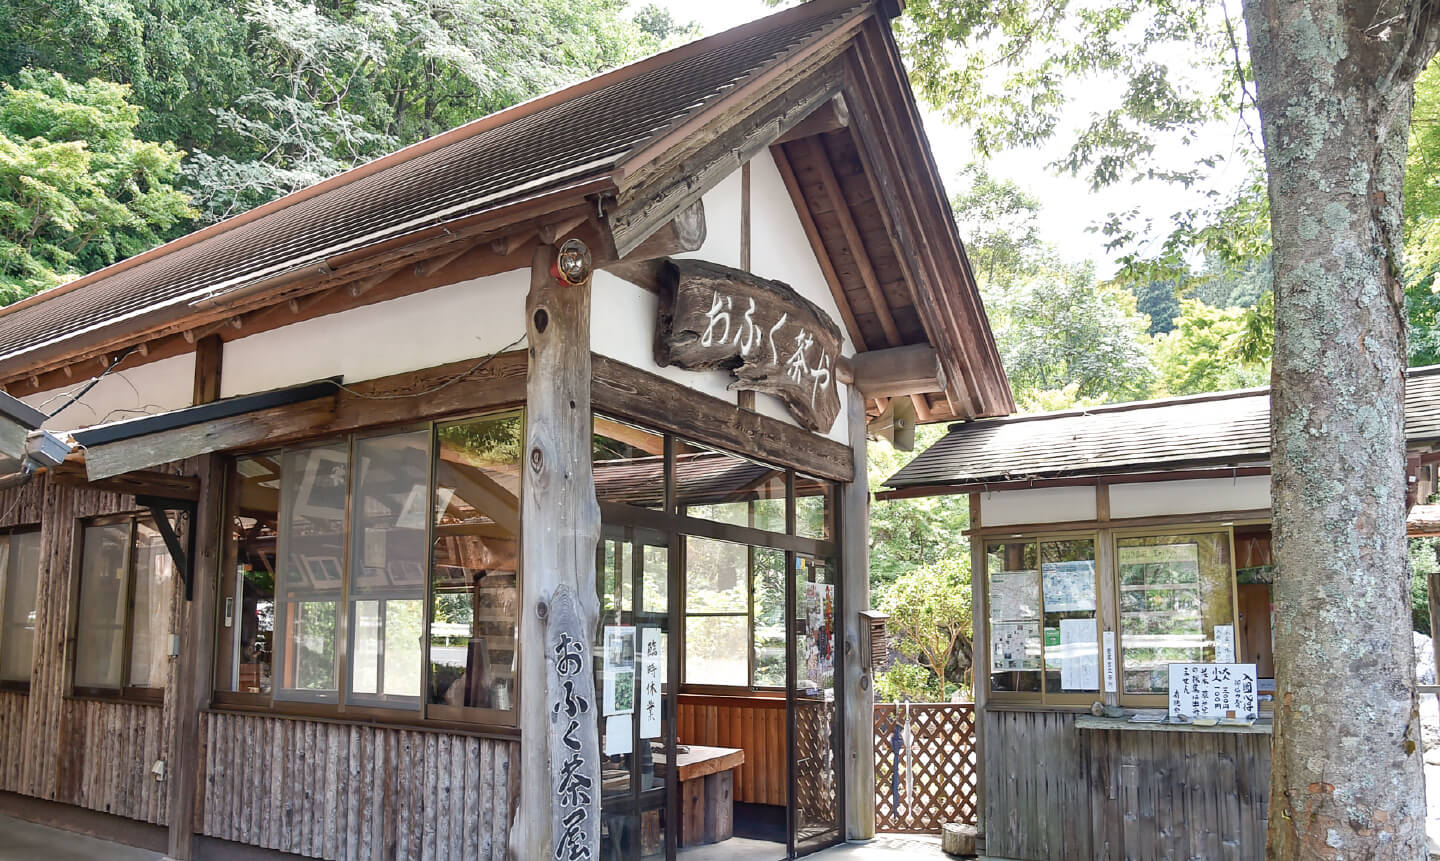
[[632, 661], [815, 719]]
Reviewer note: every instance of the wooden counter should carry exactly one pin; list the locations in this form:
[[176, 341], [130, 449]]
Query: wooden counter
[[707, 791]]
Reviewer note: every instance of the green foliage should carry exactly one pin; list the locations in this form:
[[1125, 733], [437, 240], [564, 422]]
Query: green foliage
[[931, 624], [1424, 561], [77, 189], [911, 533], [908, 682], [997, 219], [1207, 351]]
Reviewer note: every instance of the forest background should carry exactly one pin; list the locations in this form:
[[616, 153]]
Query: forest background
[[126, 123]]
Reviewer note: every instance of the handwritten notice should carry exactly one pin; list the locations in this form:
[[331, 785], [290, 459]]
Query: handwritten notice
[[1217, 691], [652, 653], [1109, 646], [1069, 586], [772, 339], [1079, 655], [1224, 644]]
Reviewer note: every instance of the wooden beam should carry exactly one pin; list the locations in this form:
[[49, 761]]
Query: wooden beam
[[745, 216], [508, 244], [859, 683], [1423, 521], [209, 356], [559, 714], [626, 392], [684, 233], [435, 264], [141, 482], [642, 440], [365, 285], [833, 116], [555, 231], [897, 371], [854, 241]]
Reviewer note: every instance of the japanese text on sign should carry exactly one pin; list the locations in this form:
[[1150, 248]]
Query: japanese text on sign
[[1218, 691]]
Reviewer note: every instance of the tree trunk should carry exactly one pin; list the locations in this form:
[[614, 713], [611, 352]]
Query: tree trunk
[[1334, 81]]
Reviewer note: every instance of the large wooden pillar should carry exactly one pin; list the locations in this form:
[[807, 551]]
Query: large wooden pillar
[[558, 816], [859, 684]]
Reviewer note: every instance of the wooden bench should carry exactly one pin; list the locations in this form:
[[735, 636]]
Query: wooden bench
[[707, 792]]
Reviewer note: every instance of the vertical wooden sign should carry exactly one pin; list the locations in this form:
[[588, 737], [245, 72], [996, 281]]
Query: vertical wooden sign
[[558, 815]]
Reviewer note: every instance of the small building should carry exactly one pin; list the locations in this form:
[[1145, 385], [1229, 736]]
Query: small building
[[1108, 544], [502, 497]]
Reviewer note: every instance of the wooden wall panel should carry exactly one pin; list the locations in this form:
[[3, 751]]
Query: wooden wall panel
[[114, 746], [341, 791], [13, 739], [1055, 792], [754, 724]]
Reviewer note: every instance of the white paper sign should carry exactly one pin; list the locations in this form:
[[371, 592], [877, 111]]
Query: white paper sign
[[652, 652], [617, 735], [618, 678], [1213, 691], [1079, 661], [1224, 644], [1015, 595], [1109, 640]]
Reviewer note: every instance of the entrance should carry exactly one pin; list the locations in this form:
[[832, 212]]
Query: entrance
[[720, 723]]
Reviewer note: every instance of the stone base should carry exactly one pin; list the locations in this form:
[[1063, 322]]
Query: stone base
[[958, 839]]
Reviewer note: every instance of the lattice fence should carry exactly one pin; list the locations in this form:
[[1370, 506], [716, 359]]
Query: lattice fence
[[925, 768]]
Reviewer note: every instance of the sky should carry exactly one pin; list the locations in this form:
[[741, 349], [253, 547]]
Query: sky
[[1070, 207]]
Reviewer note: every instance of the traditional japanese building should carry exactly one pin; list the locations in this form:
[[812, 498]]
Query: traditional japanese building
[[502, 497]]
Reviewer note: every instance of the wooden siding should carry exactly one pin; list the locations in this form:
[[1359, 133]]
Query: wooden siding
[[753, 724], [96, 755], [341, 791], [1055, 792]]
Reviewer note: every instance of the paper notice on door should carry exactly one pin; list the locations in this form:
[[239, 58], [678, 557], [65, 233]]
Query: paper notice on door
[[617, 735], [1079, 661], [1109, 645], [652, 652], [1224, 644]]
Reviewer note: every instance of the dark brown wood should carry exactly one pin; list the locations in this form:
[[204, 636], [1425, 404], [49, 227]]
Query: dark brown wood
[[626, 392], [772, 339], [745, 216], [919, 491], [1253, 514], [897, 371], [935, 767], [833, 116], [143, 482], [559, 810], [209, 355]]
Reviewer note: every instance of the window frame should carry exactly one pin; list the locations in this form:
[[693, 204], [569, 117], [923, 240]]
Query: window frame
[[148, 695], [1151, 701], [423, 713], [18, 685], [1042, 697]]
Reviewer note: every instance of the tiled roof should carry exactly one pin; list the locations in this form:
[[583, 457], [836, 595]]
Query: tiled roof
[[1219, 429], [551, 143]]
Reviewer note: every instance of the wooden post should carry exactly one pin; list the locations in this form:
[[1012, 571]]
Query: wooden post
[[859, 683], [1109, 612], [979, 657], [558, 816]]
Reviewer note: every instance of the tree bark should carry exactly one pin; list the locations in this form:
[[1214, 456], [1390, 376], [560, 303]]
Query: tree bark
[[1335, 83]]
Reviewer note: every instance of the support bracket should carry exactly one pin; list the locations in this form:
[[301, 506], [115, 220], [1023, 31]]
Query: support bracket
[[184, 555]]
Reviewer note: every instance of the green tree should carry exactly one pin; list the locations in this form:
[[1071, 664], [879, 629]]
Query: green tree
[[1207, 351], [912, 533], [931, 625], [998, 220], [77, 189]]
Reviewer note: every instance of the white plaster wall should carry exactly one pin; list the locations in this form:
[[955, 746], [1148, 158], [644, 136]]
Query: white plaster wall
[[156, 387], [623, 315], [467, 320], [1195, 496], [1041, 505]]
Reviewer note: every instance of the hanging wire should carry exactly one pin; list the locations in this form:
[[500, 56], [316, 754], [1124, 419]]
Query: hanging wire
[[83, 390]]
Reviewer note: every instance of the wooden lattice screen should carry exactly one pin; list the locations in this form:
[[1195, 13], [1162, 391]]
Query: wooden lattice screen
[[925, 766]]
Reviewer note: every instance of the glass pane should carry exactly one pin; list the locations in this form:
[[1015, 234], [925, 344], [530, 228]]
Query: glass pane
[[817, 795], [248, 635], [388, 555], [314, 487], [1015, 629], [814, 508], [474, 563], [769, 616], [150, 624], [1072, 634], [715, 650], [716, 573], [1174, 591], [711, 485], [100, 628], [629, 464], [21, 562]]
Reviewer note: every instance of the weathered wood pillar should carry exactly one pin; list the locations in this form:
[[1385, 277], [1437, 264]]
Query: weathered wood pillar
[[194, 666], [558, 816], [859, 682]]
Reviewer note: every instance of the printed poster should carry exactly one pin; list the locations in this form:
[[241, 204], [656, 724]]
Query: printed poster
[[1069, 586], [820, 636], [1014, 646], [652, 653], [618, 675], [1079, 655], [1015, 595]]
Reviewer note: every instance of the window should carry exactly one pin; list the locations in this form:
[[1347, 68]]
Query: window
[[1177, 603], [378, 572], [19, 577], [1044, 635], [127, 587]]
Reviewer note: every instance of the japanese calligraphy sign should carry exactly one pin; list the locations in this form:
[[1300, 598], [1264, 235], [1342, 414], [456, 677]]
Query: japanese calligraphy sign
[[574, 732], [769, 337], [652, 653], [1217, 691]]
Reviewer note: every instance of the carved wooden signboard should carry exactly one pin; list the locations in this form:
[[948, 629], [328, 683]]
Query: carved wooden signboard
[[574, 716], [771, 338]]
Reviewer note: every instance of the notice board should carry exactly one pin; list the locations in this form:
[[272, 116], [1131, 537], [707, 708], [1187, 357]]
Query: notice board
[[1218, 691]]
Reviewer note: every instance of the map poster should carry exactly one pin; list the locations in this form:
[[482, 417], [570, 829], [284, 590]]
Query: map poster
[[1069, 586], [1014, 646], [1015, 595]]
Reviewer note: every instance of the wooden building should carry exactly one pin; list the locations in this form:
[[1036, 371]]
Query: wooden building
[[503, 497], [1107, 544]]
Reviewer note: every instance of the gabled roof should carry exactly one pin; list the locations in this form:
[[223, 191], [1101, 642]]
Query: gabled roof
[[1224, 429], [624, 150]]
